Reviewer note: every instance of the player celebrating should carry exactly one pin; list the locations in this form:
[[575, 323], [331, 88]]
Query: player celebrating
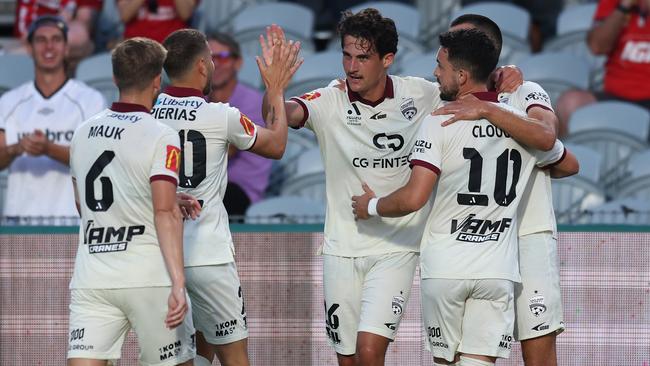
[[207, 129], [129, 267], [469, 248]]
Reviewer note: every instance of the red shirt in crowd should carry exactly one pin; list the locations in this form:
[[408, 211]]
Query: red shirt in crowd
[[28, 10], [627, 71], [156, 25]]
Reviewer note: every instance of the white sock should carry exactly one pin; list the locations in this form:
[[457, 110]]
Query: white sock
[[468, 361], [201, 361]]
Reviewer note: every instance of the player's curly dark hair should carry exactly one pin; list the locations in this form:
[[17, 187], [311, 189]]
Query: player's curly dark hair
[[472, 50], [371, 26]]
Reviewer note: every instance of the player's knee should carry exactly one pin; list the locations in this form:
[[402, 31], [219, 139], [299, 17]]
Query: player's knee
[[201, 361], [370, 354], [470, 361]]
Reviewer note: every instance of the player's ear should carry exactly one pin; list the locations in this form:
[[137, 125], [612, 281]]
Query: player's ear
[[157, 81], [388, 59]]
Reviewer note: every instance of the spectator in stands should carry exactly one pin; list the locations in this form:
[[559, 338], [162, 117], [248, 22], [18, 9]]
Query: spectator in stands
[[248, 173], [621, 31], [80, 16], [37, 121], [155, 19]]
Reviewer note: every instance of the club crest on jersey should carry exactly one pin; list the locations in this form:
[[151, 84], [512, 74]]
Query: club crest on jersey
[[537, 306], [310, 96], [173, 160], [248, 125], [408, 108], [398, 305]]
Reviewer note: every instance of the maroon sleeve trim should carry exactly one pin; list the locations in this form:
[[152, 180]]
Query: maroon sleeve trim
[[425, 164], [549, 166], [305, 111], [168, 178], [538, 105], [253, 144]]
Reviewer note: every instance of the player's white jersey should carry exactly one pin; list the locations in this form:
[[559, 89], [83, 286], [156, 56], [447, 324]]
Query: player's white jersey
[[114, 158], [205, 130], [368, 142], [41, 186], [471, 232], [536, 208]]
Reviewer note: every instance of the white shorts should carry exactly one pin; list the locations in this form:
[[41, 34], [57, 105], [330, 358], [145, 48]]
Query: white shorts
[[538, 300], [217, 302], [468, 316], [100, 320], [365, 294]]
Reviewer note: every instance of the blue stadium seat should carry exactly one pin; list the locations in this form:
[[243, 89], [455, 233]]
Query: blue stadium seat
[[285, 210], [318, 70], [16, 70], [97, 72], [421, 65]]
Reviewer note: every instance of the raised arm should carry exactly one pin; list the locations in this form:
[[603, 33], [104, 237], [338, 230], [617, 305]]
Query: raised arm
[[602, 37]]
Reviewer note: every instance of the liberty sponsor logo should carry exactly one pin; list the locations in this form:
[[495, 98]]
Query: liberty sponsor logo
[[537, 306], [478, 230], [124, 117], [332, 323], [191, 103], [109, 239], [637, 52], [384, 141], [170, 350], [354, 116], [538, 96], [506, 341], [177, 109], [408, 108]]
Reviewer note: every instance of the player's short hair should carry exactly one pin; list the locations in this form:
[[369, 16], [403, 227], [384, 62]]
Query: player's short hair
[[485, 25], [184, 47], [228, 41], [371, 26], [136, 62], [472, 50], [51, 20]]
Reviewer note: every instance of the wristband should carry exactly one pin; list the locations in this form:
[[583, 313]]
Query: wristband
[[623, 9], [372, 206]]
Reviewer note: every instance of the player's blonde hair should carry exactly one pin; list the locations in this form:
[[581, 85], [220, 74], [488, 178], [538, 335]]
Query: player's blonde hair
[[136, 62]]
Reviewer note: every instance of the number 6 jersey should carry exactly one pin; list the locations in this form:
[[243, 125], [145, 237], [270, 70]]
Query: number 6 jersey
[[114, 157], [471, 232]]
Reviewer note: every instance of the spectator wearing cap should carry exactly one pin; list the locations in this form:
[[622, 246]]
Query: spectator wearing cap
[[37, 121], [155, 19], [248, 174]]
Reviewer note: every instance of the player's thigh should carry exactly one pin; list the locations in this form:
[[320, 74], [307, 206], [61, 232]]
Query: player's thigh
[[538, 298], [489, 319], [97, 326], [147, 309], [342, 284], [217, 302], [386, 291], [443, 306]]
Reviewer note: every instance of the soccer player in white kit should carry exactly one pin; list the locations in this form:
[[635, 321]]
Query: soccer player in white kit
[[128, 273], [37, 121], [206, 130], [538, 300], [366, 133], [469, 248]]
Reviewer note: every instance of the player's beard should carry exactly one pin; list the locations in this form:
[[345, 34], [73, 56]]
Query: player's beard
[[449, 93], [207, 89]]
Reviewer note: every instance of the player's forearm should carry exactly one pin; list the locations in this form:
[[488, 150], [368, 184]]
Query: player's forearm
[[527, 131], [185, 8], [276, 123], [567, 167], [59, 153], [293, 111], [169, 228], [602, 38], [397, 204], [8, 154]]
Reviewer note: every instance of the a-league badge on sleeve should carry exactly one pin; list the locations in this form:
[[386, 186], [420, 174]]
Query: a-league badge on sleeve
[[248, 125], [173, 160]]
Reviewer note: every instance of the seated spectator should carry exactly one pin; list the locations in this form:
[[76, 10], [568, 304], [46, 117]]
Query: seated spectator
[[37, 122], [248, 174], [621, 31], [80, 16], [155, 19]]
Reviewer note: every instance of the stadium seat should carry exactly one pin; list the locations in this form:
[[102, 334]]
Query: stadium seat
[[636, 181], [421, 65], [296, 20], [590, 161], [514, 22], [298, 141], [16, 70], [307, 177], [3, 189], [97, 72], [285, 210], [318, 70], [615, 129], [626, 211], [249, 73], [435, 17], [572, 27], [556, 72]]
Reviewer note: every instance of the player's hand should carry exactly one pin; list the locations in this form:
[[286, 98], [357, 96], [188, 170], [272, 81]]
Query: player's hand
[[466, 108], [506, 79], [189, 205], [176, 307], [274, 35], [35, 143], [360, 203], [285, 62]]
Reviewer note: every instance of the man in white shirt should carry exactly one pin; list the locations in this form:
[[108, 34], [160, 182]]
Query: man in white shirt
[[37, 121], [469, 249], [128, 271], [206, 130]]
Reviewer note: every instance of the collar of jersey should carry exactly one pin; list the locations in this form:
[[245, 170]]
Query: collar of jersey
[[488, 96], [388, 93], [122, 107], [180, 92]]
